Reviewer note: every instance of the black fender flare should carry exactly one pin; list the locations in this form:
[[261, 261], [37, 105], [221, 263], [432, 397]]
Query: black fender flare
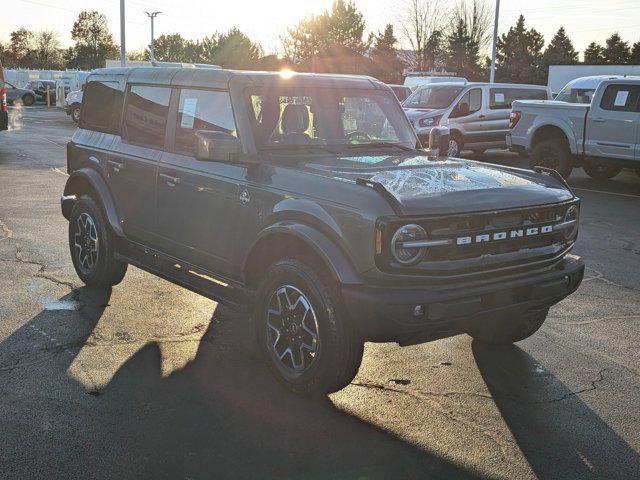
[[336, 260], [87, 180]]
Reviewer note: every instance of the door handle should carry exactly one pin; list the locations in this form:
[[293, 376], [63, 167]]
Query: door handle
[[480, 117], [599, 120], [117, 166], [170, 180]]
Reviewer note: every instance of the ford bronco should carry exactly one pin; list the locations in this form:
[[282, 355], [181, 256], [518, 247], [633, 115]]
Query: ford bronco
[[307, 201]]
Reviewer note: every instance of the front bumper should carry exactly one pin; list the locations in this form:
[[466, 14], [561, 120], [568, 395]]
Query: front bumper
[[388, 313]]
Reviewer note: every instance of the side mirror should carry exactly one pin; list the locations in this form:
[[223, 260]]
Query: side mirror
[[216, 146], [439, 140]]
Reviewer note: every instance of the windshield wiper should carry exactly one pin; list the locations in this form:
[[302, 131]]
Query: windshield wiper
[[297, 148], [379, 145]]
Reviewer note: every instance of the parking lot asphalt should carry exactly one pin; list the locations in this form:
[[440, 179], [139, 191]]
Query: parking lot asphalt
[[151, 381]]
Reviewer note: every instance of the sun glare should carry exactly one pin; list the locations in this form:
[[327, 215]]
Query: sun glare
[[286, 73]]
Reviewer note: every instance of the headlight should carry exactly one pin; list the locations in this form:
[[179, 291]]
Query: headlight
[[570, 221], [403, 253], [429, 121]]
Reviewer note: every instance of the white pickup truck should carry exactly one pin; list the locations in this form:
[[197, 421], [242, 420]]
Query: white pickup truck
[[601, 137]]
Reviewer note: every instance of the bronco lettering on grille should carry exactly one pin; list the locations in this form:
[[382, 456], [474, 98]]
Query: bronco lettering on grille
[[491, 237]]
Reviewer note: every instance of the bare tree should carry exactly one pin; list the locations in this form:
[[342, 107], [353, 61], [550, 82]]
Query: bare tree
[[47, 53], [422, 23], [476, 16]]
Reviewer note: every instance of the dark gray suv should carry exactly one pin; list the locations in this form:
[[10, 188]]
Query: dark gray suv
[[307, 201]]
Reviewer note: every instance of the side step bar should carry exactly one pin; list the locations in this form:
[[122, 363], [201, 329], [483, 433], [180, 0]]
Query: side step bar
[[224, 291]]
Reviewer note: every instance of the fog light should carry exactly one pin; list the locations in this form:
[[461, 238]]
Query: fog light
[[418, 311]]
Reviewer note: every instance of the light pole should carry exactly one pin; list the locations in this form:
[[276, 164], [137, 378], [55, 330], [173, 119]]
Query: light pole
[[123, 50], [492, 75], [152, 16]]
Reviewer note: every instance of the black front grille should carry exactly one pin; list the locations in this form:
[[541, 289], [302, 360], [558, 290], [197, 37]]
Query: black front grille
[[455, 258]]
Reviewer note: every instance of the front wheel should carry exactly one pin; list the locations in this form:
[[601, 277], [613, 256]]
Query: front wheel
[[92, 246], [552, 153], [601, 171], [75, 114], [303, 330], [455, 146], [506, 331], [28, 100]]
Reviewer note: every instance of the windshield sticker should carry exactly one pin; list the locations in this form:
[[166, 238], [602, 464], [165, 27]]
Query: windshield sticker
[[189, 112], [621, 98]]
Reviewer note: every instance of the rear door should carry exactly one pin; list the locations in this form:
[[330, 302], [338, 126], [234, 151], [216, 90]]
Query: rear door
[[133, 165], [612, 122], [198, 201]]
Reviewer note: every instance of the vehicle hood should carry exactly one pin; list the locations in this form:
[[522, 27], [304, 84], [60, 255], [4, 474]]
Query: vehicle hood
[[418, 113], [552, 104], [420, 185]]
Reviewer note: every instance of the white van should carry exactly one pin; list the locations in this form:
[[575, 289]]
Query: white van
[[477, 114], [415, 81]]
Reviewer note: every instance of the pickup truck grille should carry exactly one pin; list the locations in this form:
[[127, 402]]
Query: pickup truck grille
[[488, 240]]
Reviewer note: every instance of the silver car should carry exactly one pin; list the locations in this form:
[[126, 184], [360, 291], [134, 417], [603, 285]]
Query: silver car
[[477, 114], [16, 95]]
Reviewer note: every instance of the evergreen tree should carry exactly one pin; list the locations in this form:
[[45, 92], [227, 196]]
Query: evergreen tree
[[560, 50], [235, 50], [519, 55], [635, 54], [94, 43], [385, 56], [594, 54], [463, 52], [616, 52]]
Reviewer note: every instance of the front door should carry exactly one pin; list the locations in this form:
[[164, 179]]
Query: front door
[[612, 123], [199, 201], [469, 115]]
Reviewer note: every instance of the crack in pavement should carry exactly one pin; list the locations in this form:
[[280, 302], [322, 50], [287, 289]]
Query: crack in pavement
[[8, 233], [600, 276], [600, 319], [41, 273], [590, 388], [418, 394]]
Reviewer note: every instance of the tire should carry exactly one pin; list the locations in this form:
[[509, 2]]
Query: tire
[[91, 244], [601, 171], [552, 153], [312, 348], [75, 114], [28, 100], [455, 146], [508, 331]]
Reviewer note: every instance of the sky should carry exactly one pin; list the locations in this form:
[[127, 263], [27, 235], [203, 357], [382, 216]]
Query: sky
[[266, 21]]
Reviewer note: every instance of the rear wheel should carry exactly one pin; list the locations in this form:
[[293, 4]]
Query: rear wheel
[[601, 171], [28, 100], [506, 331], [303, 330], [552, 153], [92, 246]]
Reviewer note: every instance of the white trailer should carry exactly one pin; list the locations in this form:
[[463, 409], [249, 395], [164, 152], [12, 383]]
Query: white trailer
[[560, 75]]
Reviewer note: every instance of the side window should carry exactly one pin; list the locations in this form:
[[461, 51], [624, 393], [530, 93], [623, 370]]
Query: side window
[[502, 98], [145, 118], [101, 107], [202, 110], [470, 102], [621, 98]]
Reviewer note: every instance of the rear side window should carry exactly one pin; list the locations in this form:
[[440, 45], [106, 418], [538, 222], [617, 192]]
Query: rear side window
[[145, 118], [202, 110], [502, 98], [101, 107], [621, 98]]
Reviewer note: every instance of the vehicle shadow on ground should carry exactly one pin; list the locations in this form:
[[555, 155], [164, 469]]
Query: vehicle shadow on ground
[[222, 416], [560, 436]]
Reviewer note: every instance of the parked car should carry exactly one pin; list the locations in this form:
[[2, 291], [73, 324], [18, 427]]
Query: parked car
[[415, 81], [22, 96], [401, 91], [581, 90], [278, 196], [40, 89], [602, 137], [477, 114], [4, 115], [73, 104]]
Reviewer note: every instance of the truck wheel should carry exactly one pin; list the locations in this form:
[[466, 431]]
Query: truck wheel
[[92, 246], [455, 146], [303, 330], [75, 114], [601, 171], [28, 100], [552, 153], [504, 332]]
